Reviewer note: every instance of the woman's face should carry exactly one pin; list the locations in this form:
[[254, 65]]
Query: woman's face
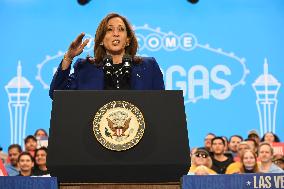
[[40, 157], [200, 159], [115, 39], [269, 137], [249, 159], [40, 133]]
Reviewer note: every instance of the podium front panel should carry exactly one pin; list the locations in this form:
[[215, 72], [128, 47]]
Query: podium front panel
[[75, 155]]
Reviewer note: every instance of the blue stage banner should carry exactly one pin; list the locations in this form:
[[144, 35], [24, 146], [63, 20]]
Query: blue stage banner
[[237, 181], [28, 182]]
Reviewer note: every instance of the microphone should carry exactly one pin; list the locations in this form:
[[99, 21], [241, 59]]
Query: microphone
[[83, 2], [107, 67], [126, 61]]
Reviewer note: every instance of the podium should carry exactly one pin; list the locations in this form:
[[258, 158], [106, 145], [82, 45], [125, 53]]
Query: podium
[[76, 156]]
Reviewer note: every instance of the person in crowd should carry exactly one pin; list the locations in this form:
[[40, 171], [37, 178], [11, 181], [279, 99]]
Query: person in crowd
[[233, 144], [278, 160], [220, 160], [249, 162], [236, 165], [30, 144], [115, 65], [3, 156], [40, 168], [226, 144], [253, 134], [265, 155], [3, 171], [192, 152], [201, 157], [207, 141], [202, 170], [42, 138], [252, 144], [14, 150], [26, 164], [240, 150], [40, 133], [270, 138]]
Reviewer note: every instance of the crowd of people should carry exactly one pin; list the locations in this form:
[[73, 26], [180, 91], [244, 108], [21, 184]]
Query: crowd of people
[[217, 156], [28, 162], [237, 155]]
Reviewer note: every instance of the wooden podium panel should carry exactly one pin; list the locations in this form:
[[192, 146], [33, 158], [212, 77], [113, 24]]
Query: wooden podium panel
[[169, 185]]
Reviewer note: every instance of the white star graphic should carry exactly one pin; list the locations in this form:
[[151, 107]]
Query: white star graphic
[[248, 183]]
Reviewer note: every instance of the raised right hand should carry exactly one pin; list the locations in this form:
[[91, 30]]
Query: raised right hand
[[75, 49]]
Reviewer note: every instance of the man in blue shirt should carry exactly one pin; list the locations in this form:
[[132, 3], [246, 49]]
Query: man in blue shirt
[[14, 151]]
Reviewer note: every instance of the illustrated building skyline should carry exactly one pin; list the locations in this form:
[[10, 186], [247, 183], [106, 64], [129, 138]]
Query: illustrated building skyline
[[18, 90], [266, 88]]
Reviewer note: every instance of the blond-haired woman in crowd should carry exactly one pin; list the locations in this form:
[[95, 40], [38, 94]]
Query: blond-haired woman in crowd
[[249, 162], [201, 159]]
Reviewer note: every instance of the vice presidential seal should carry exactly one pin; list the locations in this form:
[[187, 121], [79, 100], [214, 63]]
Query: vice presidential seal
[[118, 125]]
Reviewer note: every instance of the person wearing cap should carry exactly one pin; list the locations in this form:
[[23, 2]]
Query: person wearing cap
[[278, 160], [265, 155], [254, 135], [201, 158]]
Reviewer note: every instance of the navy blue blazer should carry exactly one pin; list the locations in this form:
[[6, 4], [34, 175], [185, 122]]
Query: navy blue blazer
[[87, 76]]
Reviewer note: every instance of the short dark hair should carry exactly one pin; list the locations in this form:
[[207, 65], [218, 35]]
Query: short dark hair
[[240, 137], [15, 146], [216, 138], [26, 153], [30, 137]]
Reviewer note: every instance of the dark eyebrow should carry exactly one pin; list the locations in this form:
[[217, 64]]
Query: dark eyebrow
[[118, 25]]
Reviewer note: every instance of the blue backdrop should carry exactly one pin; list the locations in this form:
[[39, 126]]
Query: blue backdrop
[[214, 51]]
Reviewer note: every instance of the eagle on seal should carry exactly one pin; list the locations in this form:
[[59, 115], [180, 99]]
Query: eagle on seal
[[118, 131]]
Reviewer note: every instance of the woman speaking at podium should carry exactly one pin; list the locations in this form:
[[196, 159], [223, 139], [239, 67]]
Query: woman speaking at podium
[[115, 65]]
